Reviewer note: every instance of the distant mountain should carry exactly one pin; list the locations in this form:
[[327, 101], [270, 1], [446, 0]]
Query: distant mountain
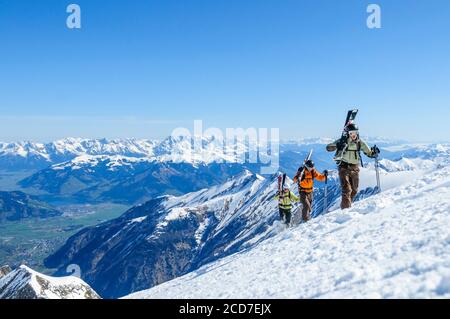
[[70, 177], [161, 179], [25, 283], [126, 179], [28, 155], [18, 205]]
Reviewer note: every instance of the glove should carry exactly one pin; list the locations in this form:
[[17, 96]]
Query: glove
[[325, 172], [375, 151]]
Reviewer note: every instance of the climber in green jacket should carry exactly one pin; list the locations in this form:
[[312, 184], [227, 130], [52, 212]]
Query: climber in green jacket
[[285, 201]]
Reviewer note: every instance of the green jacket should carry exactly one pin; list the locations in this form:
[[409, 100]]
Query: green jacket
[[351, 153], [286, 200]]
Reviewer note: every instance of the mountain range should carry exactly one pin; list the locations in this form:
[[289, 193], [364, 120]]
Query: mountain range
[[132, 171], [32, 155]]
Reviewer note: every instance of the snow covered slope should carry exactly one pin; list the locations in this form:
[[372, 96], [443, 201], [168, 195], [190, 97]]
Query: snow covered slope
[[392, 245], [25, 283]]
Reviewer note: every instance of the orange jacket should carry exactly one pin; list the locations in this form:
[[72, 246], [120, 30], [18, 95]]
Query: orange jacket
[[307, 183]]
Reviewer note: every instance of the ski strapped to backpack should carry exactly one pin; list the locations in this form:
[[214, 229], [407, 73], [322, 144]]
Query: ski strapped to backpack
[[281, 182], [302, 174], [342, 143]]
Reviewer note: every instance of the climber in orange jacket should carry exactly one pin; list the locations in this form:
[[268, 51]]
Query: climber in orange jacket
[[305, 181]]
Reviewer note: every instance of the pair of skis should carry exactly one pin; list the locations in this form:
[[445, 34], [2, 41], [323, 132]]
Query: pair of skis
[[342, 144], [281, 182]]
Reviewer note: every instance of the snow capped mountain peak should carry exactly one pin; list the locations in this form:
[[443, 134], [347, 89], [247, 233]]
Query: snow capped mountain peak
[[309, 140], [92, 161], [406, 164], [234, 186], [37, 155], [25, 283]]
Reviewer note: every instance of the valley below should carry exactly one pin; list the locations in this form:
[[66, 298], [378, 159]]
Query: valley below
[[31, 241]]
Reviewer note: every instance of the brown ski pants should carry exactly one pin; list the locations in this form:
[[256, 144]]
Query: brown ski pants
[[349, 177], [306, 200]]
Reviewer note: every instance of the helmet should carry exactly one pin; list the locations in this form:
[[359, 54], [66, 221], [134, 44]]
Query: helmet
[[309, 164], [286, 187], [352, 127]]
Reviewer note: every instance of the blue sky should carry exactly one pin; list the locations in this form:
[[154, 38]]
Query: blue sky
[[141, 68]]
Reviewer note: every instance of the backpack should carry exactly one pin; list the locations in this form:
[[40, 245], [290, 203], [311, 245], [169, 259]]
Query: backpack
[[313, 175]]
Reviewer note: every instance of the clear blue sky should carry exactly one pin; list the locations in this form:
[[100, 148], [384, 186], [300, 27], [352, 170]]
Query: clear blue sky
[[141, 68]]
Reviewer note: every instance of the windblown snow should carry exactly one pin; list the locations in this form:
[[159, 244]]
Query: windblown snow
[[392, 245]]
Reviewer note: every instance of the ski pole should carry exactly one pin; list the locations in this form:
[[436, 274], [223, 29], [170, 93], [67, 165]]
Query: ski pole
[[325, 204], [377, 172]]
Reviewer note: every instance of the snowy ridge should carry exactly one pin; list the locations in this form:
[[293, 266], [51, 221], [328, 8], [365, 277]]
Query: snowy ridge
[[79, 146], [25, 283], [309, 141], [246, 197], [406, 164], [169, 150], [392, 245], [111, 162]]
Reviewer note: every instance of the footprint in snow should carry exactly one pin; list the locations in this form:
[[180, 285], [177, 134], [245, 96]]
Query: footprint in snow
[[342, 218], [347, 277], [287, 235]]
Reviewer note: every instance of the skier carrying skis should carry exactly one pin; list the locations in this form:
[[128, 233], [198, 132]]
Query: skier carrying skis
[[348, 156], [285, 204], [305, 180]]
